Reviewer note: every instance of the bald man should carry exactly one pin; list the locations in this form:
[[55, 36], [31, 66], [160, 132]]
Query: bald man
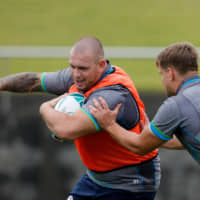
[[113, 173]]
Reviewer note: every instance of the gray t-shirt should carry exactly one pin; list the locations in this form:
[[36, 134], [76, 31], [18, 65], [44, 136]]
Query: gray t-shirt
[[141, 179], [180, 115], [166, 120], [59, 83]]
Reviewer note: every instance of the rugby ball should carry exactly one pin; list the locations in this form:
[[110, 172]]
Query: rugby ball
[[69, 104]]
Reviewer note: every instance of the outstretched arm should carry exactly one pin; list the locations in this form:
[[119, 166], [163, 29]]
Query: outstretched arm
[[22, 82], [138, 143]]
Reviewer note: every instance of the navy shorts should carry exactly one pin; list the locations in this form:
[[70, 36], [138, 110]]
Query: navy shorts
[[86, 189]]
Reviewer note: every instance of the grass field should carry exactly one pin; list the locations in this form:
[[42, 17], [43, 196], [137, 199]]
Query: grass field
[[115, 23]]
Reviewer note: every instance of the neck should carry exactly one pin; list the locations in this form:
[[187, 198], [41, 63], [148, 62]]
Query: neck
[[182, 78]]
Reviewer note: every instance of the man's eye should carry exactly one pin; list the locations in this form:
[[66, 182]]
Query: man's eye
[[83, 68]]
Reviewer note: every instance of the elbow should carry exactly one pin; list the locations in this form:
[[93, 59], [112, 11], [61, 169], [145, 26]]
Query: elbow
[[57, 123], [145, 150], [142, 153], [65, 134], [69, 137], [43, 109], [140, 150]]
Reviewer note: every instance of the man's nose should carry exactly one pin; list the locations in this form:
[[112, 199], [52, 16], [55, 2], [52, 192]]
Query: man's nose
[[77, 73]]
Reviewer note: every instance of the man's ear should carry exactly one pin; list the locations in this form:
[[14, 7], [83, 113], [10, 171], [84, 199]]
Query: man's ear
[[102, 63], [171, 73]]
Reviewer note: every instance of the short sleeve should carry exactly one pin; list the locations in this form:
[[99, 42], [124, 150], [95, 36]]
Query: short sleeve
[[57, 82], [128, 115], [166, 120]]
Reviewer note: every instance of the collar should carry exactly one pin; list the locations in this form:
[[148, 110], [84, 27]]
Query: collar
[[188, 81], [109, 69]]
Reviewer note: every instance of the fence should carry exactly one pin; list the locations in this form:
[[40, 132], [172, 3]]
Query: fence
[[63, 52]]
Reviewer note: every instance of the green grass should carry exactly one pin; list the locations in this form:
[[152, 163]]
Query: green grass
[[128, 22], [114, 22]]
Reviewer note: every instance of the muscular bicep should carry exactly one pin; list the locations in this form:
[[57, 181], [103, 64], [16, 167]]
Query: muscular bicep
[[71, 127], [84, 123]]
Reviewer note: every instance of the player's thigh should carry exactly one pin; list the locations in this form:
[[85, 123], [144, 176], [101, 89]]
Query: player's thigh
[[116, 196], [76, 197], [124, 195], [86, 189]]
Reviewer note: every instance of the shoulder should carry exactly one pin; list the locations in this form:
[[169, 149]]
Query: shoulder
[[128, 115], [170, 104], [113, 93], [168, 110]]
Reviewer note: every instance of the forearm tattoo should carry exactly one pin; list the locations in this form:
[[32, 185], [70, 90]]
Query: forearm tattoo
[[22, 82]]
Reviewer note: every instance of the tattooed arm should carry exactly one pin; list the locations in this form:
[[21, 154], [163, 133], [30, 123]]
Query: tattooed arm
[[22, 82]]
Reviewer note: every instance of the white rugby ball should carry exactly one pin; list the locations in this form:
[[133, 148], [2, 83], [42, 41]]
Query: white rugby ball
[[70, 103]]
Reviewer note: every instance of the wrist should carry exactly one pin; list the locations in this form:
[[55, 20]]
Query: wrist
[[110, 127]]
